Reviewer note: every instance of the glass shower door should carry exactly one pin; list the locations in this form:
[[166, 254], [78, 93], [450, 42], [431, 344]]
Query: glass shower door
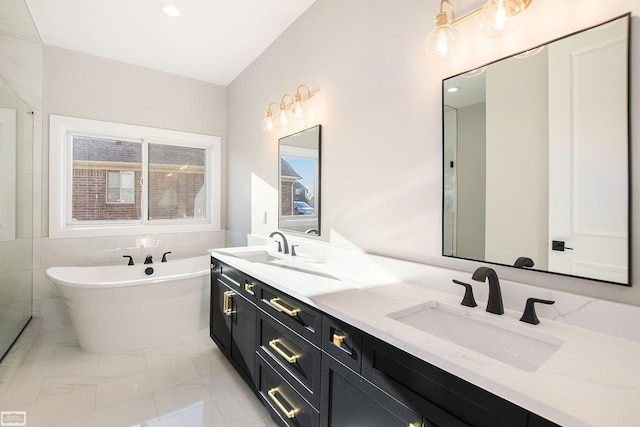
[[16, 210]]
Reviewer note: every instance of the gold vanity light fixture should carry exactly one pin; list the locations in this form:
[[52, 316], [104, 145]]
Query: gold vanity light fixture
[[497, 18], [298, 105], [295, 108], [284, 114], [269, 123]]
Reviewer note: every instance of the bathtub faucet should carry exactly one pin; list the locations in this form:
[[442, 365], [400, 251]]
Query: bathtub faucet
[[164, 256], [130, 259], [148, 259]]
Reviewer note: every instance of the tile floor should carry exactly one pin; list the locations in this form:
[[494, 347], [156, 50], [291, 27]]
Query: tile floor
[[187, 383]]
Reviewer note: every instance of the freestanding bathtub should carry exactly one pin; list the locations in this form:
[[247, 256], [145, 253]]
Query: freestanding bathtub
[[122, 308]]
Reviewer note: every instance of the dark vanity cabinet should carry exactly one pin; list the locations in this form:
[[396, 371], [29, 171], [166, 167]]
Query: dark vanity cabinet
[[312, 370], [443, 399], [350, 400], [233, 317]]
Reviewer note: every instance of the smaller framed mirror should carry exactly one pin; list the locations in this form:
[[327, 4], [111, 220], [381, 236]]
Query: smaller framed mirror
[[299, 182]]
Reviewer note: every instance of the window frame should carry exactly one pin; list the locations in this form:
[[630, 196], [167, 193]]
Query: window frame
[[120, 201], [62, 129]]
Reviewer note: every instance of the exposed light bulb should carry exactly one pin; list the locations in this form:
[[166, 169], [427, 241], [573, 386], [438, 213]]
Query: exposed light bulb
[[441, 42], [499, 17], [268, 124], [298, 107], [283, 115]]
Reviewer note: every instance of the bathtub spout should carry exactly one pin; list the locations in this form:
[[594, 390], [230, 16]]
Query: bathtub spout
[[148, 259], [130, 259], [164, 256]]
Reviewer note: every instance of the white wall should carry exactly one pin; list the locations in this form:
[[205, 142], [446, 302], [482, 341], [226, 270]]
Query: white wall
[[81, 85], [378, 99]]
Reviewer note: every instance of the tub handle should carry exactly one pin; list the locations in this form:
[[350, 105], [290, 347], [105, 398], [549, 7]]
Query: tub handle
[[226, 303], [277, 303]]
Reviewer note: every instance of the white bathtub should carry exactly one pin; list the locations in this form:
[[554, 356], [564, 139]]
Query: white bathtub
[[116, 309]]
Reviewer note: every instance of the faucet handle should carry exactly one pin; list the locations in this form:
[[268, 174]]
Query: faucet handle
[[279, 245], [529, 315], [293, 250], [468, 299]]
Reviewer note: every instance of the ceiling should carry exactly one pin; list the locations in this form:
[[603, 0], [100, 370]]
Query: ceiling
[[212, 40]]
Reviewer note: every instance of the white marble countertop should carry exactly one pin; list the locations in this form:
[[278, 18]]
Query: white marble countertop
[[593, 379]]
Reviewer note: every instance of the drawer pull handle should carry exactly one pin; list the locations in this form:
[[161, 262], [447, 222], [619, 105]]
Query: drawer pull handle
[[248, 286], [226, 302], [293, 312], [289, 413], [291, 358], [338, 339]]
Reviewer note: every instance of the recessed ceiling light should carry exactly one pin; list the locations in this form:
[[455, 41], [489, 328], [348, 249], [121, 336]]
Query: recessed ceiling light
[[170, 10], [453, 89]]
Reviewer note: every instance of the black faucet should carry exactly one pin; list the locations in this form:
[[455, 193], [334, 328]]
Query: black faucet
[[494, 303], [468, 298], [529, 315], [130, 259], [164, 256], [148, 259], [523, 262], [284, 241]]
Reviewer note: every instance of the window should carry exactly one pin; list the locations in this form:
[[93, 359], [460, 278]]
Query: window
[[120, 187], [116, 179]]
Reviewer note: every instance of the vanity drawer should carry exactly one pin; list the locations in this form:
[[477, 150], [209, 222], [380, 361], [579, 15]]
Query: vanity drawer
[[303, 319], [343, 342], [292, 356], [229, 275], [287, 404]]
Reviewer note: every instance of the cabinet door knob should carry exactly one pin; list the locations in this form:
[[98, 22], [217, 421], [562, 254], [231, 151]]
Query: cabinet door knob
[[289, 413], [338, 339], [248, 286]]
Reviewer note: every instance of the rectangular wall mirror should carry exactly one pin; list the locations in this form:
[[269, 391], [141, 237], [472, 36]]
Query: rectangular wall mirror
[[536, 158], [299, 182]]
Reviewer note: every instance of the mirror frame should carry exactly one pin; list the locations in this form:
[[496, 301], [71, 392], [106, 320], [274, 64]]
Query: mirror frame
[[628, 148], [317, 191]]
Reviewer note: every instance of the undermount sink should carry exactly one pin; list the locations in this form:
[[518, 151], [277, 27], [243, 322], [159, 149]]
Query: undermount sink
[[517, 345], [286, 262], [256, 256]]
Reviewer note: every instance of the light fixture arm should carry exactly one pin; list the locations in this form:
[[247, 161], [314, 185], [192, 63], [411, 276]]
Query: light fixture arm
[[282, 103], [299, 95], [451, 10], [456, 21], [269, 112]]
